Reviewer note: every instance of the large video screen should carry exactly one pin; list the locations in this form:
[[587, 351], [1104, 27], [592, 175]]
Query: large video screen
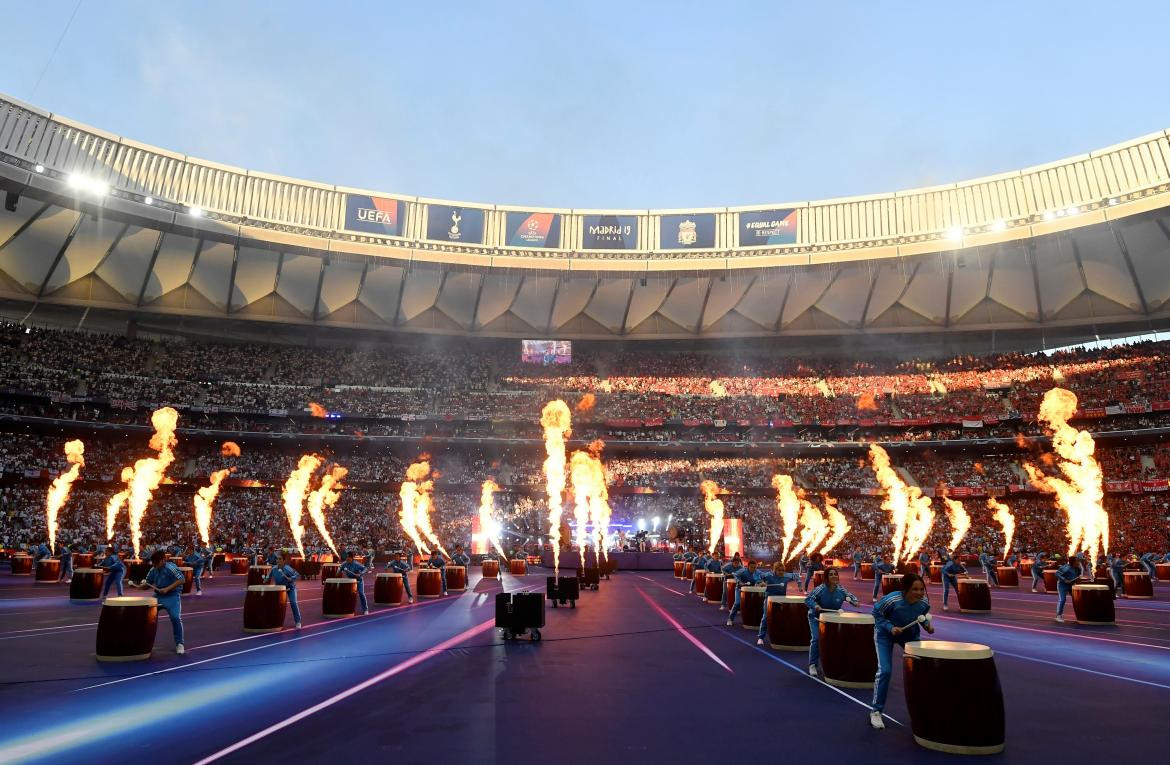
[[546, 352]]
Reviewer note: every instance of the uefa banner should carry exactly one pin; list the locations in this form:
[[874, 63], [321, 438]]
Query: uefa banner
[[610, 232], [455, 224], [732, 537], [687, 232], [533, 229], [374, 215], [763, 227]]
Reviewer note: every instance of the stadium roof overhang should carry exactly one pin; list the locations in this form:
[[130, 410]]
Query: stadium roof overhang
[[1072, 249]]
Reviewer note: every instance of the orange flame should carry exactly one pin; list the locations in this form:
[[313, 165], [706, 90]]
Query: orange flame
[[909, 510], [837, 522], [487, 504], [116, 502], [586, 404], [413, 492], [59, 491], [149, 472], [979, 468], [813, 530], [788, 506], [960, 522], [205, 499], [1003, 516], [317, 410], [591, 499], [717, 389], [295, 489], [865, 403], [323, 497], [230, 449], [557, 423], [1080, 492], [714, 507]]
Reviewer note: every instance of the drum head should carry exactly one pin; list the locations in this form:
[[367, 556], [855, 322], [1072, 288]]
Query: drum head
[[131, 600], [946, 649], [266, 588], [846, 617]]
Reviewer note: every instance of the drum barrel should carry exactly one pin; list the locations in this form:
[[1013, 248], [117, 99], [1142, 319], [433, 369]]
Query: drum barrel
[[264, 607], [126, 629]]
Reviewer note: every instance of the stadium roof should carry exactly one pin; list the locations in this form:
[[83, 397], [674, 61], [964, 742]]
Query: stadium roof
[[98, 221]]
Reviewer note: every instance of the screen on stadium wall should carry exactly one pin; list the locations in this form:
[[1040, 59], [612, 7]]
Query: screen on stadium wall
[[374, 215], [763, 227], [454, 224], [610, 232], [687, 232], [534, 229], [546, 352]]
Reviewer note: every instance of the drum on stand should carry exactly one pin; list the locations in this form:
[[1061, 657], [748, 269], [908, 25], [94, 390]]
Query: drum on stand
[[1050, 580], [713, 588], [891, 583], [847, 650], [240, 566], [82, 560], [1093, 604], [1008, 576], [729, 592], [1137, 584], [257, 574], [818, 578], [867, 572], [22, 565], [188, 579], [700, 582], [490, 568], [788, 623], [456, 578], [126, 629], [430, 582], [974, 596], [751, 606], [1026, 569], [48, 570], [339, 598], [87, 584], [330, 571], [518, 567], [264, 607], [936, 573], [688, 570], [914, 567], [942, 719], [1163, 571], [679, 565], [389, 589]]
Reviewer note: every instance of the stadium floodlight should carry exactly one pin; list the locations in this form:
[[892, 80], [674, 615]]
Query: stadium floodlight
[[195, 212], [999, 225], [39, 168], [1112, 201], [955, 233], [1074, 210], [77, 181], [1049, 215]]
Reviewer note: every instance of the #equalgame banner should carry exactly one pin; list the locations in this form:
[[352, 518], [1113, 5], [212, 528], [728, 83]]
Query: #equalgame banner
[[732, 537], [374, 215], [686, 232], [763, 227], [455, 224], [533, 229], [610, 232]]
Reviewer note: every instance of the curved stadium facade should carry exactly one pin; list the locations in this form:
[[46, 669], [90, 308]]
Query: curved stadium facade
[[1066, 251]]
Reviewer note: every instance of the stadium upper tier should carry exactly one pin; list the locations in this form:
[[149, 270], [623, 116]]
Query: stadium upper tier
[[95, 220]]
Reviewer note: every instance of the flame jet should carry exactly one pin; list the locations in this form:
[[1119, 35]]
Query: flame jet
[[556, 420], [59, 491]]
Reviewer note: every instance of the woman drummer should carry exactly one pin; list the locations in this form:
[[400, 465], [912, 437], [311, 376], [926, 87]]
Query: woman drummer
[[895, 621], [827, 596]]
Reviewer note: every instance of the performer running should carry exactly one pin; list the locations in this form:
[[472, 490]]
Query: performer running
[[950, 576], [895, 621], [284, 573], [829, 596], [167, 580], [115, 571], [351, 569], [1066, 576]]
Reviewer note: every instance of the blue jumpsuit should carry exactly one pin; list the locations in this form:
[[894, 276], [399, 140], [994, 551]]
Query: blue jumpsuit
[[42, 552], [774, 584], [950, 576], [988, 565], [461, 559], [66, 563], [115, 571], [729, 570], [1038, 564], [1117, 572], [273, 559], [1066, 575], [700, 563], [196, 561], [892, 611], [287, 576], [351, 569], [880, 568], [714, 566], [1147, 562], [165, 576], [829, 600], [208, 560], [402, 567], [857, 558], [745, 577], [437, 561]]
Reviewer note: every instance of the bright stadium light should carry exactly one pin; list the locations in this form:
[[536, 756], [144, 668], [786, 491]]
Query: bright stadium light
[[39, 168], [999, 225], [1074, 210], [1049, 215], [149, 200], [1112, 201], [77, 181], [195, 212], [955, 232]]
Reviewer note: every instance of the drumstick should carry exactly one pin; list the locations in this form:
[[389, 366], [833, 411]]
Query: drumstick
[[922, 619]]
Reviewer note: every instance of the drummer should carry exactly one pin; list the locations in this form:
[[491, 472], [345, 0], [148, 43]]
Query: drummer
[[745, 577], [987, 563], [438, 561], [66, 563], [351, 569], [460, 558], [1013, 560], [42, 551], [814, 565], [858, 556], [895, 620], [827, 596], [700, 562], [690, 555], [729, 569], [950, 576], [400, 565], [715, 565], [1115, 564], [284, 573], [196, 561], [775, 583], [923, 564], [1066, 576], [1038, 561], [880, 569], [115, 571], [167, 581], [1147, 561]]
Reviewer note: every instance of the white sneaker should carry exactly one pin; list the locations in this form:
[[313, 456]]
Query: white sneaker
[[728, 622], [875, 721], [366, 612], [1060, 618], [812, 669], [410, 599], [722, 608], [944, 606], [199, 593], [298, 625], [179, 649], [760, 641]]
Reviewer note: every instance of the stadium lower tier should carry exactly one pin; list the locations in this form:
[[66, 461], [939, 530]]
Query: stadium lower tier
[[614, 679]]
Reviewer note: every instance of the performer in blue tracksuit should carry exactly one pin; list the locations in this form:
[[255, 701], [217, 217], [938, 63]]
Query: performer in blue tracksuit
[[690, 555], [283, 573], [1147, 561], [830, 596], [272, 559], [987, 563], [167, 581], [858, 556], [700, 562], [715, 565], [924, 564], [745, 577], [814, 565], [400, 565], [66, 563], [196, 561], [41, 553], [1116, 566], [775, 583], [728, 571], [460, 558], [1013, 560], [880, 569], [950, 576], [895, 621], [115, 571], [1039, 560], [677, 555], [438, 561], [208, 561], [1066, 576], [351, 569]]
